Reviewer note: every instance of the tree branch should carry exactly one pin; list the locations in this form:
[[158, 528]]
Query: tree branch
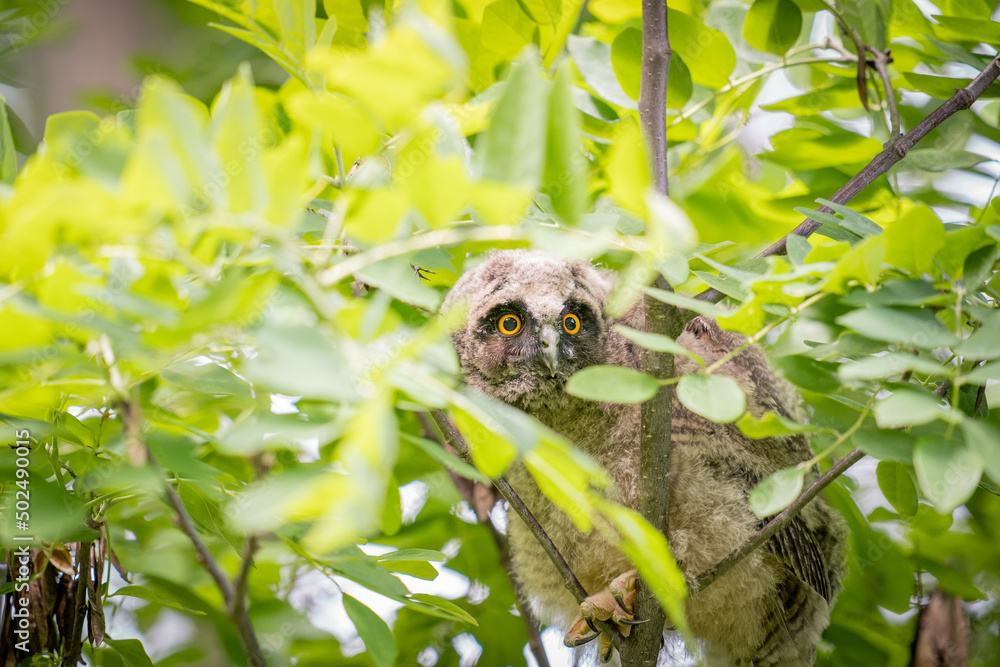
[[777, 523], [238, 606], [643, 645], [573, 585], [881, 62], [466, 489], [890, 155], [232, 594], [653, 88]]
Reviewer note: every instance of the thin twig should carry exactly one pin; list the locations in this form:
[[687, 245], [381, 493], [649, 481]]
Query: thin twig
[[466, 487], [131, 416], [238, 605], [882, 60], [890, 155], [573, 585], [777, 523]]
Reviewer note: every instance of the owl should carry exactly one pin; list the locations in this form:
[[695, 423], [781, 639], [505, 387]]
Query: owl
[[531, 321]]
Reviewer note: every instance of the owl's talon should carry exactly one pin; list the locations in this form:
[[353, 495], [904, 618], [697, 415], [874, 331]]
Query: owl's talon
[[606, 648], [577, 635], [632, 621], [573, 643], [609, 605]]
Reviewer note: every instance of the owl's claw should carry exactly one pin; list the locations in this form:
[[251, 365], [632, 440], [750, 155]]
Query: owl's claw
[[612, 604]]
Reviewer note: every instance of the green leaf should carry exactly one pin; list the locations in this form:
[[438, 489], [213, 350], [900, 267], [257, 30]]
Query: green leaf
[[144, 593], [300, 361], [776, 492], [449, 461], [717, 398], [885, 444], [932, 159], [378, 638], [612, 384], [564, 179], [853, 221], [913, 240], [705, 308], [513, 147], [908, 407], [919, 328], [545, 12], [897, 487], [808, 373], [8, 152], [594, 62], [706, 51], [773, 424], [983, 344], [950, 579], [507, 29], [948, 473], [435, 606], [984, 439], [889, 365], [980, 375], [131, 651], [773, 25], [397, 277], [655, 342]]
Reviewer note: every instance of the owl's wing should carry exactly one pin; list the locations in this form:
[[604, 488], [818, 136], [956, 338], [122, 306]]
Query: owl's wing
[[796, 546]]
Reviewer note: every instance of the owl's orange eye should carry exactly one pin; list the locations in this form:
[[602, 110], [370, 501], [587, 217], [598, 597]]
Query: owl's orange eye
[[509, 325], [571, 323]]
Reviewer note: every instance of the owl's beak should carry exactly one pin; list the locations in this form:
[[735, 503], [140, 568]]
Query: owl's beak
[[549, 338]]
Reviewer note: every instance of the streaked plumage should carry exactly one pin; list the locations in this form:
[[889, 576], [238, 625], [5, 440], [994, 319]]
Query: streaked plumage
[[772, 607]]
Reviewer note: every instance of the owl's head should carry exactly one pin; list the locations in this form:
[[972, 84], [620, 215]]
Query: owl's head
[[531, 321]]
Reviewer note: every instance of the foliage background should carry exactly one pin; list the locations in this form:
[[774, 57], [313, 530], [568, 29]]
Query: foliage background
[[203, 280]]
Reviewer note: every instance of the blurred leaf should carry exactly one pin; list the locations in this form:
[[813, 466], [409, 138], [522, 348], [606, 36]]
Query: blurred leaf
[[919, 328], [594, 61], [776, 492], [773, 25], [655, 342], [948, 474], [144, 593], [717, 398], [772, 424], [513, 147], [907, 407], [299, 361], [930, 159], [373, 630], [131, 651], [897, 487], [614, 384], [885, 444], [564, 177]]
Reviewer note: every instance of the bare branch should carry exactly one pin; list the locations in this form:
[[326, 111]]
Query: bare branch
[[238, 605], [131, 415], [653, 87], [655, 443], [890, 155], [466, 488], [455, 440], [778, 522], [881, 62]]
